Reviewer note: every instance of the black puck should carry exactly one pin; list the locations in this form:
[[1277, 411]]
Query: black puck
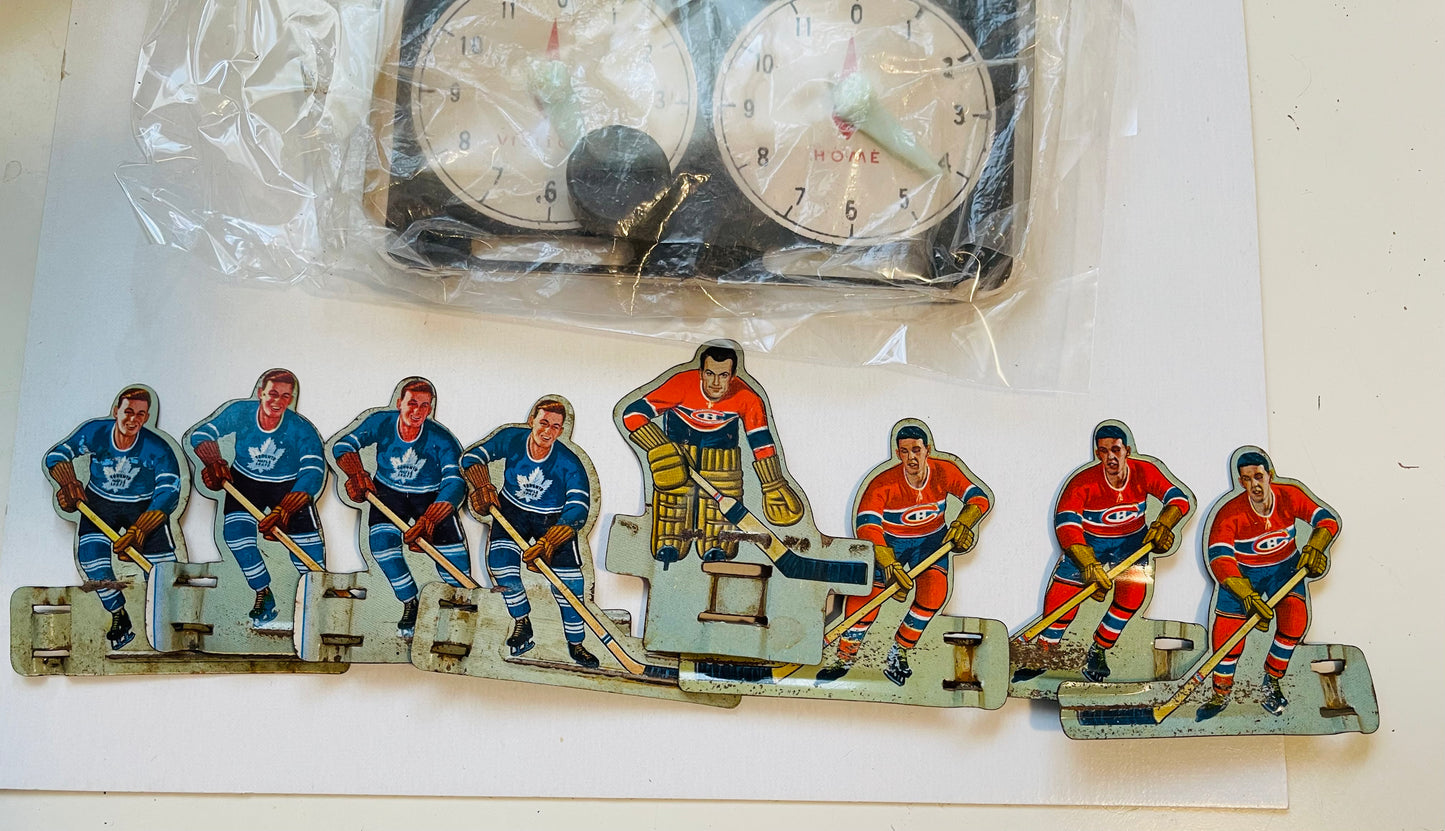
[[614, 175]]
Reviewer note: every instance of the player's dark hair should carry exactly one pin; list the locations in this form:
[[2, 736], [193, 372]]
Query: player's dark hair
[[1110, 431], [1252, 459], [911, 431], [133, 394], [418, 385], [548, 405], [276, 376], [719, 354]]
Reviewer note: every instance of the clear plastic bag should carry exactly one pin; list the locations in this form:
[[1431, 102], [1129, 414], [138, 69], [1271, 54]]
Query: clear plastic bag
[[883, 182]]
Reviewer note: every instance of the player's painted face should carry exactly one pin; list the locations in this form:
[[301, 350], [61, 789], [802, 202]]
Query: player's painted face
[[276, 398], [546, 427], [1112, 453], [1255, 480], [913, 453], [415, 407], [131, 415], [717, 378]]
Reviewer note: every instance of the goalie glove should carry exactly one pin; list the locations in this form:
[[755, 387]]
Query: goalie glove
[[960, 533], [1160, 536], [483, 497], [358, 481], [1312, 558], [664, 460], [280, 516], [71, 492], [893, 570], [546, 546], [1253, 602], [1093, 571], [135, 535], [780, 502], [214, 471], [426, 524]]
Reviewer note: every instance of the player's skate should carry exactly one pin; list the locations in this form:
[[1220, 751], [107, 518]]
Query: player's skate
[[715, 555], [1211, 708], [120, 632], [521, 638], [1096, 666], [833, 671], [667, 555], [897, 669], [264, 609], [580, 654], [1274, 701], [406, 627]]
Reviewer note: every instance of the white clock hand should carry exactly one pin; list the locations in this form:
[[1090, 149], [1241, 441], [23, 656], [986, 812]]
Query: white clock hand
[[552, 86], [855, 103]]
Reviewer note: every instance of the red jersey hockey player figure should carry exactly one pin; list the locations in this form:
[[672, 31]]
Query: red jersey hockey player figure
[[704, 414], [901, 511], [1251, 551], [1100, 519]]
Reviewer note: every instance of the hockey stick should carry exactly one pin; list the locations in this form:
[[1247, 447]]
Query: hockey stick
[[757, 673], [280, 535], [1156, 714], [110, 532], [789, 563], [1044, 622], [457, 574], [629, 663]]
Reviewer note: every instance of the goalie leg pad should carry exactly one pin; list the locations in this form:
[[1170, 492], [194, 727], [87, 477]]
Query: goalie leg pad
[[721, 466], [670, 513]]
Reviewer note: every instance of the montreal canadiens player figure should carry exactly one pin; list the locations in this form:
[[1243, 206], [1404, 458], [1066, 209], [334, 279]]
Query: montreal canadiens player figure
[[417, 476], [546, 495], [134, 486], [901, 511], [1100, 519], [701, 410], [278, 466], [1252, 553]]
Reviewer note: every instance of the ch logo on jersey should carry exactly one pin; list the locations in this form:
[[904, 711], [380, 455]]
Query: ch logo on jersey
[[531, 487], [1271, 542], [919, 515], [119, 475], [266, 456], [406, 468], [1120, 516]]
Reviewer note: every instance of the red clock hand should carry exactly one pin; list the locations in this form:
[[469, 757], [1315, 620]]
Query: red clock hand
[[850, 65]]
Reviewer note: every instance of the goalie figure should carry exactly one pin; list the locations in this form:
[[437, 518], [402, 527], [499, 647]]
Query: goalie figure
[[694, 422]]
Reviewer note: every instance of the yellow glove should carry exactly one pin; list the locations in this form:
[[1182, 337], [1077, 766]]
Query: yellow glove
[[1253, 602], [780, 502], [1160, 536], [669, 470], [1312, 558], [893, 570], [960, 534], [1094, 571]]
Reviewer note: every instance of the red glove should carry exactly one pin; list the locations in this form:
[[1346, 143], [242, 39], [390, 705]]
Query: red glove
[[135, 535], [215, 472], [280, 516], [484, 494], [358, 481], [544, 548], [71, 493], [426, 524]]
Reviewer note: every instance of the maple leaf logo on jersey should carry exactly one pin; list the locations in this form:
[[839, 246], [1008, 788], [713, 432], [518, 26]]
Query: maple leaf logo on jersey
[[119, 475], [406, 468], [531, 487], [266, 456]]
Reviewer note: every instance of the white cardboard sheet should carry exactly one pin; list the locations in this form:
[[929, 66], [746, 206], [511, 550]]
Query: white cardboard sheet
[[1178, 355]]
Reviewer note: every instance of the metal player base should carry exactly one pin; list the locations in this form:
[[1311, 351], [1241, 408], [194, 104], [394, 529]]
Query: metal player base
[[61, 631], [959, 662], [351, 617], [1329, 688], [462, 632], [1138, 656], [205, 607]]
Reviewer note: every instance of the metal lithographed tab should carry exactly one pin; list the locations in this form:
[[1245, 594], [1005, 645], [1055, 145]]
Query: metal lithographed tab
[[539, 493], [918, 510], [120, 478], [734, 563], [1113, 518], [1264, 542]]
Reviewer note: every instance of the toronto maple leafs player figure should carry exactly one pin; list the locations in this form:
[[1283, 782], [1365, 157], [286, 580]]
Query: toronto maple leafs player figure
[[277, 465], [546, 496], [134, 486], [417, 477]]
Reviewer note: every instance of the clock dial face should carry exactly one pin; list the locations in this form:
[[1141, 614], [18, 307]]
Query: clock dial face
[[502, 90], [854, 122]]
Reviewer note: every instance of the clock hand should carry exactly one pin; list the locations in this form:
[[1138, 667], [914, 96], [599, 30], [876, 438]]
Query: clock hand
[[551, 85], [855, 104]]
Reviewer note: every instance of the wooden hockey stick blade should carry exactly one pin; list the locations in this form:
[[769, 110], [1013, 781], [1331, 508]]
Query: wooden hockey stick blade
[[1156, 714], [1042, 623], [280, 535], [110, 532], [431, 551], [628, 663]]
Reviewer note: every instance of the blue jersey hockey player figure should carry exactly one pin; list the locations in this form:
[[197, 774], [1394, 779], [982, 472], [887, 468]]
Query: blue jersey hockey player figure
[[278, 466], [417, 477], [134, 486], [547, 496]]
